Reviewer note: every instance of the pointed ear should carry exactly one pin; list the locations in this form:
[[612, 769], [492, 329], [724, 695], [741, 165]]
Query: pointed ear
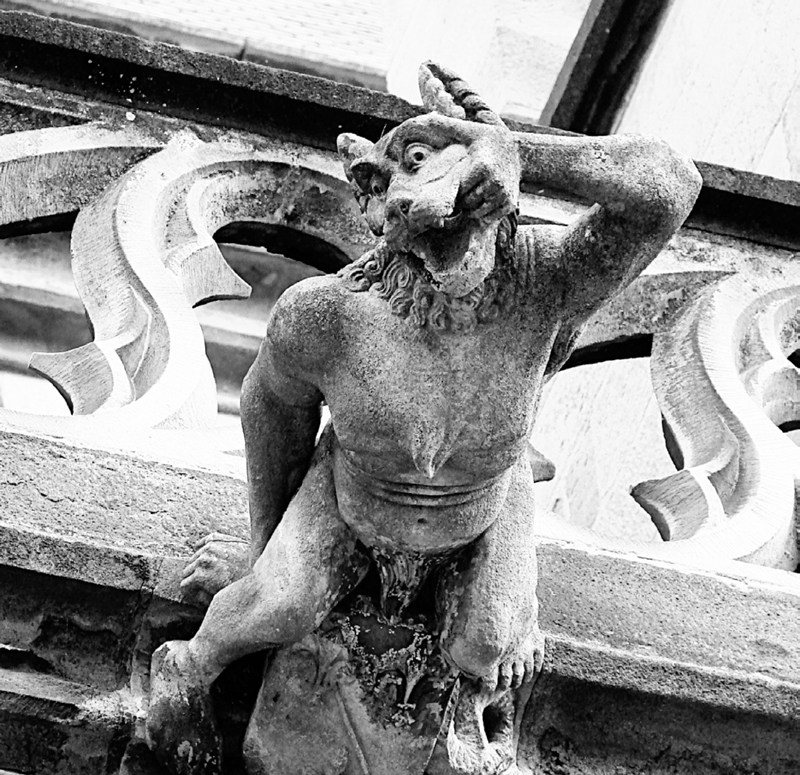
[[435, 97], [352, 147]]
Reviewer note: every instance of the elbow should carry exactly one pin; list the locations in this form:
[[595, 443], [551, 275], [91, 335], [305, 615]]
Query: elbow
[[255, 398], [669, 181], [682, 181], [248, 400]]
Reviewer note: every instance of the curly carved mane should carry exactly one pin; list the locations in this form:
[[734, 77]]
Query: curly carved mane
[[402, 281]]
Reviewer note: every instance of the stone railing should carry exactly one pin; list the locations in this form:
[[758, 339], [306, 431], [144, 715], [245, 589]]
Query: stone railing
[[143, 254]]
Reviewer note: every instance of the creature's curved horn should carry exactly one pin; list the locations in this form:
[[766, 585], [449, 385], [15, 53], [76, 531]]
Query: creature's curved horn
[[445, 92]]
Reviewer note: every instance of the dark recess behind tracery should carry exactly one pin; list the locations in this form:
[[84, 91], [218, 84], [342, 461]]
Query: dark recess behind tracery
[[602, 64], [285, 241], [636, 346]]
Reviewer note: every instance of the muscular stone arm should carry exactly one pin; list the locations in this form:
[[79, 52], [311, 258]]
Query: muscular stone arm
[[280, 416], [643, 191]]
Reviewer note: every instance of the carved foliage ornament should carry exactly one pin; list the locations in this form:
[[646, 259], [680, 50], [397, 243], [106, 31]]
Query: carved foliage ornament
[[143, 255], [724, 383]]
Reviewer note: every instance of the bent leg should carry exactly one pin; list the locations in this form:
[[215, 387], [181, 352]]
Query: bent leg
[[489, 606], [310, 562]]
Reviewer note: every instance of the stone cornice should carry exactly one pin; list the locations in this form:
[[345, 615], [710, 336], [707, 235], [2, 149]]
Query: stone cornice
[[664, 650], [139, 75]]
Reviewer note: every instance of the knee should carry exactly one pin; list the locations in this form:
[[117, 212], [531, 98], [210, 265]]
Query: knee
[[475, 653]]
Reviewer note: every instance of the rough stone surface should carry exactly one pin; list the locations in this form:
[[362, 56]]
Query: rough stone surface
[[676, 671], [649, 665], [142, 75], [79, 37], [133, 508], [727, 620], [692, 728], [48, 725], [307, 36]]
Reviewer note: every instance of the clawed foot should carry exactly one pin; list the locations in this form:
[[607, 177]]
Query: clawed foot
[[481, 737], [181, 728], [218, 561], [520, 665]]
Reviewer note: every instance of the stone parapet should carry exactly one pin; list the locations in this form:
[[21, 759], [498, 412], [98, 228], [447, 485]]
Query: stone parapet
[[650, 665]]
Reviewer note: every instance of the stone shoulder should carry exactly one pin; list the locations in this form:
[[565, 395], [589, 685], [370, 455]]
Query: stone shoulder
[[304, 330]]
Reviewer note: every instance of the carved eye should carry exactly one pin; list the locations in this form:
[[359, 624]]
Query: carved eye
[[377, 188], [416, 154]]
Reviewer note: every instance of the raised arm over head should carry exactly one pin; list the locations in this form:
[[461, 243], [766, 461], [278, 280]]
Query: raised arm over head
[[642, 191]]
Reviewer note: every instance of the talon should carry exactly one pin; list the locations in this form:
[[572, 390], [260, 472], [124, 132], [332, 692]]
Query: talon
[[530, 671], [519, 675], [504, 676]]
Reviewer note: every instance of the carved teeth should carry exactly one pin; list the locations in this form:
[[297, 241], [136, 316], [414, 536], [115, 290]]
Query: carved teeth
[[451, 221], [448, 223]]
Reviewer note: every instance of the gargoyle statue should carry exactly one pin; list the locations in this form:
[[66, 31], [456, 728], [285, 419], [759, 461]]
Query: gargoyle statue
[[431, 352]]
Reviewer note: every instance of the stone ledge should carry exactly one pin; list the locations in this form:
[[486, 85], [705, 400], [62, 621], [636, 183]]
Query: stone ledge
[[233, 42], [170, 58], [48, 725], [126, 70], [645, 659], [129, 523], [602, 712], [736, 691], [124, 506], [54, 699]]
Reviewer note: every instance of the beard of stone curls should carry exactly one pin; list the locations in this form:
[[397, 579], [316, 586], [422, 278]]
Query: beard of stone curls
[[405, 284]]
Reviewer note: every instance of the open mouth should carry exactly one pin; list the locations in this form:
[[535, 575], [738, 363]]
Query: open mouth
[[445, 242], [457, 250], [450, 222]]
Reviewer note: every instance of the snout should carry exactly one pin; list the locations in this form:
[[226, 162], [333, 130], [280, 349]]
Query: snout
[[397, 210], [418, 202], [413, 218]]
